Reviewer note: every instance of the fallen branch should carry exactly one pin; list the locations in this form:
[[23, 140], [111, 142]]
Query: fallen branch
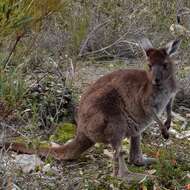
[[112, 44], [109, 46], [90, 35], [6, 61]]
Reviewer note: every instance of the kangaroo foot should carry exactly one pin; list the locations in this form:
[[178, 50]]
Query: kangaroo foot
[[167, 124], [132, 177], [145, 161]]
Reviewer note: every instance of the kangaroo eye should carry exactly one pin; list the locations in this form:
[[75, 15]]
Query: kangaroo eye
[[150, 66], [165, 66]]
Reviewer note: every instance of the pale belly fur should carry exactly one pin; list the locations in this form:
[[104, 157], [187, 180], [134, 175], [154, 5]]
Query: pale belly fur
[[159, 104]]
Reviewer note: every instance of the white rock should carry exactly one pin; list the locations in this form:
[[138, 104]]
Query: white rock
[[54, 169], [28, 163], [46, 168], [108, 153]]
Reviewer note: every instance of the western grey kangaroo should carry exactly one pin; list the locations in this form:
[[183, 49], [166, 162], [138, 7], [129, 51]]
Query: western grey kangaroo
[[119, 105]]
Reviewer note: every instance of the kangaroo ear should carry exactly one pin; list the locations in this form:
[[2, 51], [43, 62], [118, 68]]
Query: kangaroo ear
[[171, 47], [146, 45]]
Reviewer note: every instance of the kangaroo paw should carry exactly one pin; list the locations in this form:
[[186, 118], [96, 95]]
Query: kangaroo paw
[[167, 124], [165, 133]]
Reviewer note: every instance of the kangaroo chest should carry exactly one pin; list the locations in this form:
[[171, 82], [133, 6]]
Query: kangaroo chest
[[161, 99]]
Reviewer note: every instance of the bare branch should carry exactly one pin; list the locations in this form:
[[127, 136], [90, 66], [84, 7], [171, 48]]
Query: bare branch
[[6, 61], [90, 35], [109, 46]]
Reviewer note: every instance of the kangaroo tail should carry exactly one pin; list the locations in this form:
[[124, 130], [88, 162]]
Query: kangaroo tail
[[69, 151]]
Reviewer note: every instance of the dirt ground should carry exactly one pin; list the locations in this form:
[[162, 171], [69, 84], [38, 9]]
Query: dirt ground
[[93, 171]]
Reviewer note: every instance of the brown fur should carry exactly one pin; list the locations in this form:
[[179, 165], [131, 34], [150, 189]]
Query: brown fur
[[119, 105]]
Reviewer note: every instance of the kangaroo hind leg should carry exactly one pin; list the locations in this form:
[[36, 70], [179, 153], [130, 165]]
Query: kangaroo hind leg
[[73, 149]]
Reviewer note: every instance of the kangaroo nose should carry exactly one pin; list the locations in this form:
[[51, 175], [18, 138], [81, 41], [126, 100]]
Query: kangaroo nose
[[157, 80]]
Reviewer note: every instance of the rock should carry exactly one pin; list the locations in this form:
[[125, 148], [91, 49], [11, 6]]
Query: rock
[[28, 163], [46, 168], [54, 169], [108, 153], [181, 135]]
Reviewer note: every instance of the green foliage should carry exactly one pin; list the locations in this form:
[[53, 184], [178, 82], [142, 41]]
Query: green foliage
[[18, 15], [170, 171], [63, 133], [51, 105], [76, 25], [12, 86], [164, 14]]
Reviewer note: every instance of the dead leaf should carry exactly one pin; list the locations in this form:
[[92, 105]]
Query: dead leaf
[[28, 163], [151, 172]]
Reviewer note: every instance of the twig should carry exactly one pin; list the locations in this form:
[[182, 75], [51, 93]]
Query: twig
[[6, 61], [129, 42], [16, 187], [104, 48], [114, 43], [18, 38]]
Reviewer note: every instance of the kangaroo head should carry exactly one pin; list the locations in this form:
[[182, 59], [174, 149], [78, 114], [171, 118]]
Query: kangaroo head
[[159, 61]]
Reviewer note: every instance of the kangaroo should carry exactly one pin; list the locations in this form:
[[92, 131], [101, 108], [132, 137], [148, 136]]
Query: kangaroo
[[119, 105]]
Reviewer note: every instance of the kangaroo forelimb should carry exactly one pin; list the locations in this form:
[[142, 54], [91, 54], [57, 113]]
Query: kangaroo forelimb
[[162, 127]]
